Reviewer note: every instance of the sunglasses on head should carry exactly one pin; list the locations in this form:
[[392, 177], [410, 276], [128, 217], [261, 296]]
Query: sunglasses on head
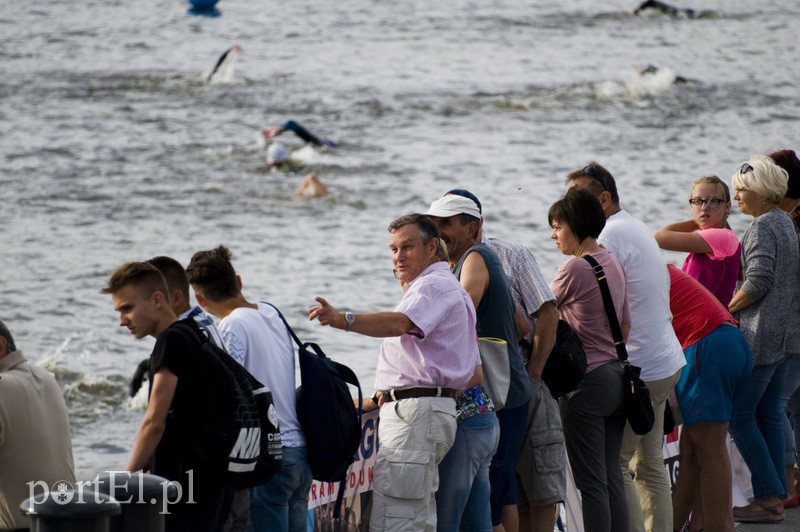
[[746, 167], [593, 172]]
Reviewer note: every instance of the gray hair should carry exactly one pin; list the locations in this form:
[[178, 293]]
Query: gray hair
[[5, 333], [427, 230], [761, 175]]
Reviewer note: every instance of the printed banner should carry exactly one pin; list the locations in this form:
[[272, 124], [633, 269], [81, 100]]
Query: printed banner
[[357, 502], [359, 476]]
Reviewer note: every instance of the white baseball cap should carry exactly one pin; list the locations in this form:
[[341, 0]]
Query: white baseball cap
[[451, 205]]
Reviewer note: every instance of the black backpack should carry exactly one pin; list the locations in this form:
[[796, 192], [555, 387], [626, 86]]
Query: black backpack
[[330, 422], [238, 439]]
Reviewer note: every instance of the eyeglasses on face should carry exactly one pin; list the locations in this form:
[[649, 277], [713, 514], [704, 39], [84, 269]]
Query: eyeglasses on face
[[593, 172], [709, 203]]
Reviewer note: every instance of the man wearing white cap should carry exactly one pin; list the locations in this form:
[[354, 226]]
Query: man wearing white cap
[[541, 464], [479, 270]]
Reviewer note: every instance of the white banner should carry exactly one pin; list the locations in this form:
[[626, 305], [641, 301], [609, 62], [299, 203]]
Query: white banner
[[359, 476], [359, 480]]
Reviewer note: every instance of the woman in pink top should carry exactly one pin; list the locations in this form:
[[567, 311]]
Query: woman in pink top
[[592, 415], [713, 248]]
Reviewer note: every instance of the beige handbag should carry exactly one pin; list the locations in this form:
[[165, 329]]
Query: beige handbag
[[496, 369]]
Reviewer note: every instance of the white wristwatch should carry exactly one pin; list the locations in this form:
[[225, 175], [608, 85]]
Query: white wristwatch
[[350, 318]]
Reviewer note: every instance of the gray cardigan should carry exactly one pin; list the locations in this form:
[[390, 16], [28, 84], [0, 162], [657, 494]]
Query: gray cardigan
[[771, 269]]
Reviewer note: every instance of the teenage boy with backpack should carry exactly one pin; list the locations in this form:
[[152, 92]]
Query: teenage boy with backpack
[[165, 443], [256, 337]]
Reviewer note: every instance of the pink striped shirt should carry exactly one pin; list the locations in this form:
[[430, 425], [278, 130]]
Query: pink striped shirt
[[442, 350]]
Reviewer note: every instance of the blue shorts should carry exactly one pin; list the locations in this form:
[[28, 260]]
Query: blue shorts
[[716, 373]]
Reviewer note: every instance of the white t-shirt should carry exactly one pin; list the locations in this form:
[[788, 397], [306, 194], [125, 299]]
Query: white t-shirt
[[652, 344], [259, 341]]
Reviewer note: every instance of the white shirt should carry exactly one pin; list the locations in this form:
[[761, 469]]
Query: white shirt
[[259, 341], [652, 344]]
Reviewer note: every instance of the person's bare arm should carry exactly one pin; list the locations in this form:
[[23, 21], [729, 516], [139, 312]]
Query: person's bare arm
[[376, 324], [682, 236], [739, 301], [625, 328], [544, 337], [522, 325], [154, 422], [475, 277]]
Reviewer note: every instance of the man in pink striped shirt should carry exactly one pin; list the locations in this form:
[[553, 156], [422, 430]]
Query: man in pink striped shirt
[[428, 355]]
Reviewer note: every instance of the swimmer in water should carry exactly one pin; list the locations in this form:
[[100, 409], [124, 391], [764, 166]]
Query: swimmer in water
[[225, 64], [312, 187], [666, 9], [651, 70], [279, 158], [300, 131]]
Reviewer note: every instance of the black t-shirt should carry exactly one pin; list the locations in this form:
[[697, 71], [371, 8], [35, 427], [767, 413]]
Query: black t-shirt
[[175, 453]]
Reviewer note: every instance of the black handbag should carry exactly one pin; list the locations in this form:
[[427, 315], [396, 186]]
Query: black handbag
[[636, 397], [566, 365]]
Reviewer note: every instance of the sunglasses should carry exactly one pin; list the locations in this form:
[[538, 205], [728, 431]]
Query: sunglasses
[[746, 167], [593, 172]]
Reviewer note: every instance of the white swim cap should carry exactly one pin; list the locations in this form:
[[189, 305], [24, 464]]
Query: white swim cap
[[277, 153]]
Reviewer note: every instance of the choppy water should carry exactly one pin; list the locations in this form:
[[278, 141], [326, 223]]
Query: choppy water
[[113, 148]]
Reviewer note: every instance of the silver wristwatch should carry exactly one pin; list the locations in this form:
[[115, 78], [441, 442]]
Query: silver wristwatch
[[350, 318]]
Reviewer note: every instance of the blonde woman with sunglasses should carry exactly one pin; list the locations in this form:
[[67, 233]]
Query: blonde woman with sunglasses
[[765, 303]]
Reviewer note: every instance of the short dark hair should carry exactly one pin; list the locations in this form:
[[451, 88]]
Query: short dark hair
[[211, 273], [600, 180], [173, 273], [5, 333], [581, 211], [464, 219], [427, 230], [141, 274], [787, 160]]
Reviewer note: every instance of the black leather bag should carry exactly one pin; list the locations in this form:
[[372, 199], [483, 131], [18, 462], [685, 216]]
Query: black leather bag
[[636, 397], [566, 364], [638, 407]]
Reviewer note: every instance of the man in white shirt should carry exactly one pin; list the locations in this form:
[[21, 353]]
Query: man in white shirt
[[652, 346], [256, 337]]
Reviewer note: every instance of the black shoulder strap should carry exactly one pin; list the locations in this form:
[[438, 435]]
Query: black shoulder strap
[[342, 371], [288, 328], [187, 331], [608, 303]]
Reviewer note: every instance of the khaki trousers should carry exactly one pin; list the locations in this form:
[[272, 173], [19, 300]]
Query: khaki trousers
[[415, 435], [649, 492]]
